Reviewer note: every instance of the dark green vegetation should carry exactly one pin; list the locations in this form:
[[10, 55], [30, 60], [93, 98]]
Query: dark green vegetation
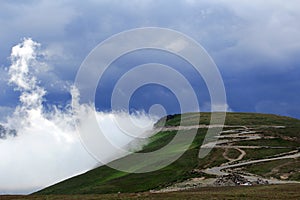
[[213, 159], [253, 154], [106, 180], [276, 142], [280, 169], [233, 153], [287, 191], [238, 119]]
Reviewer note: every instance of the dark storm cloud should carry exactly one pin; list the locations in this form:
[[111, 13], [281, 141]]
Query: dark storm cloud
[[251, 41]]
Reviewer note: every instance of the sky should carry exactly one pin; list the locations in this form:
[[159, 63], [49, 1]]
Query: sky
[[255, 45]]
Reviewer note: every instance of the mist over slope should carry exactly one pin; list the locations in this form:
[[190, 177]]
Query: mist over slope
[[257, 136], [39, 143]]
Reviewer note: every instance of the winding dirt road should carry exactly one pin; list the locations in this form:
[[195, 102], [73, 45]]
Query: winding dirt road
[[238, 133], [231, 160], [218, 170]]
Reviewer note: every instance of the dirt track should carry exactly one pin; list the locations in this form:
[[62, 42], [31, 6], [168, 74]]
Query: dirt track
[[223, 141]]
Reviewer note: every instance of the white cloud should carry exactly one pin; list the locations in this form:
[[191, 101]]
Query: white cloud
[[43, 151], [208, 107], [177, 45], [4, 112], [269, 31], [48, 17], [259, 30]]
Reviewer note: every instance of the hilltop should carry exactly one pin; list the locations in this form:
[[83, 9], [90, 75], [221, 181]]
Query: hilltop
[[252, 149]]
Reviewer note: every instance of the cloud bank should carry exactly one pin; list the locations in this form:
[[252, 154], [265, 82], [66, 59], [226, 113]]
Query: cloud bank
[[47, 148], [246, 39]]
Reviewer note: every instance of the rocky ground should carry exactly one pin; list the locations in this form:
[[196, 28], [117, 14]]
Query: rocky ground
[[230, 173]]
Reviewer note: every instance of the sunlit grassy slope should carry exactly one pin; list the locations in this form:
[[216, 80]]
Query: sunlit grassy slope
[[107, 180]]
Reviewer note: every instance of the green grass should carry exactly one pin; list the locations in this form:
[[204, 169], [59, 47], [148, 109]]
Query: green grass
[[213, 159], [276, 142], [107, 180], [277, 168], [158, 141], [100, 180], [287, 191], [255, 154], [291, 130], [238, 119], [233, 153], [127, 182]]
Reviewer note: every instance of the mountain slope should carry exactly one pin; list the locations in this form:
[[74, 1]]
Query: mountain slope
[[270, 135]]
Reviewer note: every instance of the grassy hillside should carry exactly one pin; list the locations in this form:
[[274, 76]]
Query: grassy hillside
[[288, 191], [106, 180], [239, 119]]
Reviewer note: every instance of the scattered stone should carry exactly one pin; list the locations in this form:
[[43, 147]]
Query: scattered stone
[[231, 180], [284, 177], [235, 179], [260, 181]]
